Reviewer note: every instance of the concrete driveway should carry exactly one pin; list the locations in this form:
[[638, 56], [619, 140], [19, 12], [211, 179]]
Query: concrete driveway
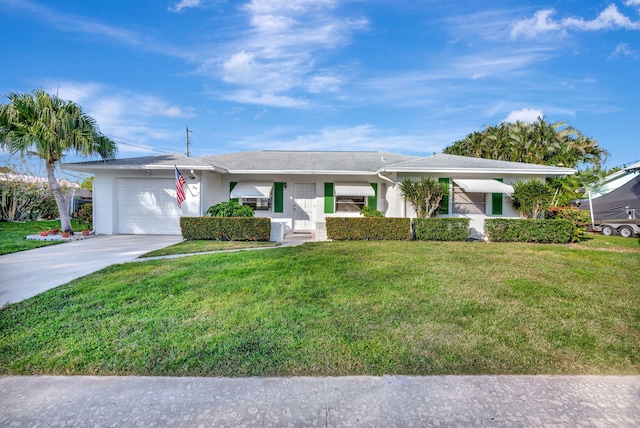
[[27, 273]]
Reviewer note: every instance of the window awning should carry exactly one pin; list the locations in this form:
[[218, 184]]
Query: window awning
[[483, 186], [354, 189], [252, 190]]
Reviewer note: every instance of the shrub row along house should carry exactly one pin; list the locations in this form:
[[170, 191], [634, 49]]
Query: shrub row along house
[[298, 190]]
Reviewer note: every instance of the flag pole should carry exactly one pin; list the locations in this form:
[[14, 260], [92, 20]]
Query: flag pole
[[189, 189]]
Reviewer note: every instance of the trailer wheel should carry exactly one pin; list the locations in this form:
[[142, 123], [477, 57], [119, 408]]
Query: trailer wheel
[[626, 231], [608, 231]]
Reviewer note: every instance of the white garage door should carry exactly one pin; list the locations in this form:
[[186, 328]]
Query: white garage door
[[148, 206]]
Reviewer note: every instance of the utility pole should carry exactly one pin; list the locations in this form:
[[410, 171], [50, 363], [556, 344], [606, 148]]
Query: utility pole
[[187, 148]]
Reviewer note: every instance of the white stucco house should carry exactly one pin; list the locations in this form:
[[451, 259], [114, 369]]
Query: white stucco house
[[298, 190]]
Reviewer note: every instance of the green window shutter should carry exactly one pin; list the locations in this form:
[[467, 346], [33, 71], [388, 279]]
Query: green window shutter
[[231, 186], [373, 200], [496, 201], [328, 198], [444, 208], [278, 197]]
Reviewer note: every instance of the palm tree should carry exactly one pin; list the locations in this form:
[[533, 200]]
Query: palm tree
[[540, 142], [45, 126]]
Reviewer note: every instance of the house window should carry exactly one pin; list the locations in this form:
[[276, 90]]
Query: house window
[[258, 196], [467, 202], [349, 203], [258, 204], [352, 197]]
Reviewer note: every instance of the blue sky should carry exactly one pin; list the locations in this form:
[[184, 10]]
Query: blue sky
[[402, 76]]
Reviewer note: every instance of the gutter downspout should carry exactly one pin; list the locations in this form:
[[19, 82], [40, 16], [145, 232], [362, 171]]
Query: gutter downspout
[[386, 178], [394, 183]]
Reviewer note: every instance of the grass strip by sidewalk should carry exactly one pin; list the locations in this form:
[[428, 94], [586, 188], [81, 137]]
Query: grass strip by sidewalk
[[188, 247], [339, 308]]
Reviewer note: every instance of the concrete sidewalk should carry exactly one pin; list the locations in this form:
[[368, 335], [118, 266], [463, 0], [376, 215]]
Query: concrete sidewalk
[[402, 401], [28, 273]]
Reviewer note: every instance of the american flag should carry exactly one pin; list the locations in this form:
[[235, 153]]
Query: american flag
[[179, 187]]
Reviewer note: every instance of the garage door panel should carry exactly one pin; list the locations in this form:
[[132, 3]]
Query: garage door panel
[[148, 206]]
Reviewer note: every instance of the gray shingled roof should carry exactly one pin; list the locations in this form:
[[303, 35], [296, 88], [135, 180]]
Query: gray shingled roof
[[294, 161], [282, 161], [153, 162], [445, 162]]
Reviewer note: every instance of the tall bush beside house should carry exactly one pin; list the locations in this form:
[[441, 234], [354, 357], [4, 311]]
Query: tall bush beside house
[[230, 209], [425, 195], [21, 200], [85, 215], [531, 197]]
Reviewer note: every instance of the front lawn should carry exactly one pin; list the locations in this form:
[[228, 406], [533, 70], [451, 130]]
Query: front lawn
[[12, 234], [189, 247], [340, 308]]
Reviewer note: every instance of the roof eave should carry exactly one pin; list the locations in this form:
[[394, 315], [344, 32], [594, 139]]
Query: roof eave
[[299, 172], [95, 167], [553, 172]]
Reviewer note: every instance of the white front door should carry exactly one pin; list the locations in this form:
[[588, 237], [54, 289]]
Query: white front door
[[304, 200]]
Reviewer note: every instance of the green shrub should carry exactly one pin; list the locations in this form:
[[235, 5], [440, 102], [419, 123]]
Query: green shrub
[[230, 209], [580, 218], [531, 197], [368, 228], [226, 228], [426, 195], [371, 212], [441, 229], [559, 231], [85, 215]]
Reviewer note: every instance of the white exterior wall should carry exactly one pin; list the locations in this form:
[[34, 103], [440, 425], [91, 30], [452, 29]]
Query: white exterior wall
[[476, 221], [221, 193], [209, 188], [105, 200]]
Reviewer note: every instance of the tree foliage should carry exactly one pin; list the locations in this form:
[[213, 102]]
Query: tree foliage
[[531, 197], [20, 200], [540, 143], [42, 125], [425, 195]]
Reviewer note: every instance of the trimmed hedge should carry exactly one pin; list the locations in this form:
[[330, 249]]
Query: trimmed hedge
[[225, 228], [441, 229], [580, 218], [558, 231], [368, 228]]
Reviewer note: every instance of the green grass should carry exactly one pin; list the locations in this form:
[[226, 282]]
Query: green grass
[[13, 234], [188, 247], [611, 243], [339, 308]]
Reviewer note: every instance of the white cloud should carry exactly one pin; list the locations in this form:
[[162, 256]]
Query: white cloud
[[131, 117], [318, 84], [543, 22], [623, 49], [358, 138], [265, 99], [632, 3], [281, 52], [184, 4], [524, 115]]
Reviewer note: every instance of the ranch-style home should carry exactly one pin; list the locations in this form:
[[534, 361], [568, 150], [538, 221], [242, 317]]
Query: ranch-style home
[[298, 190]]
